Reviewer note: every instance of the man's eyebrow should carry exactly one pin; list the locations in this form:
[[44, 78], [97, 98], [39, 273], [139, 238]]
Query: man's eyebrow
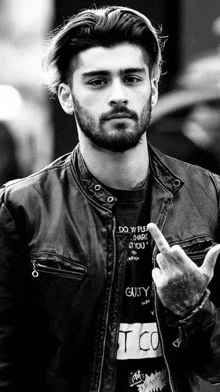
[[134, 70], [107, 73], [95, 73]]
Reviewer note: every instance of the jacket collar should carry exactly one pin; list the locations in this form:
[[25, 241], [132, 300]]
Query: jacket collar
[[160, 167], [94, 189]]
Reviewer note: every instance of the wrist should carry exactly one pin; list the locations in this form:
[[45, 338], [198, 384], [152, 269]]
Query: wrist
[[187, 306], [197, 308]]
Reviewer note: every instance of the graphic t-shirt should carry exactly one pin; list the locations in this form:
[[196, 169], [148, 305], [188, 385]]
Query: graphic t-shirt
[[140, 365]]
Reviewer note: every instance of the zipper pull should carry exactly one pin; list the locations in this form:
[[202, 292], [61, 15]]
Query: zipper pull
[[179, 340], [35, 273]]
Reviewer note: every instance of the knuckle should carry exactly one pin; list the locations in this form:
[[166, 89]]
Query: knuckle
[[164, 250], [159, 257]]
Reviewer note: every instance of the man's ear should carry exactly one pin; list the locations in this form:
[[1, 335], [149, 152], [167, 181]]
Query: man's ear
[[154, 91], [65, 98]]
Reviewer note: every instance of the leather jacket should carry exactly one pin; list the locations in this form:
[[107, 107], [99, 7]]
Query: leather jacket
[[61, 285]]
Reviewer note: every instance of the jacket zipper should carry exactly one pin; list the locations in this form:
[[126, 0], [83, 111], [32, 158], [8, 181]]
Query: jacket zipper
[[35, 273], [108, 307], [155, 304], [162, 344]]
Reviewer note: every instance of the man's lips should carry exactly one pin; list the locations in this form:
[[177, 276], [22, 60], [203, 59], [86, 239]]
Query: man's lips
[[118, 116]]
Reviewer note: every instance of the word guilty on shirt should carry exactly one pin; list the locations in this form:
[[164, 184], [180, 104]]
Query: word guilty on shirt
[[136, 291]]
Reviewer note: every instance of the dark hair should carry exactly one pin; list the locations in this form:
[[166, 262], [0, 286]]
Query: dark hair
[[105, 26]]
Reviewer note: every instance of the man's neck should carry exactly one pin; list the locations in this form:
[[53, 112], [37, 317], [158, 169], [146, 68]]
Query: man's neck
[[117, 170]]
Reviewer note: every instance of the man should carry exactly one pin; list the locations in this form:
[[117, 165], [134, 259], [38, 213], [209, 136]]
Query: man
[[81, 239]]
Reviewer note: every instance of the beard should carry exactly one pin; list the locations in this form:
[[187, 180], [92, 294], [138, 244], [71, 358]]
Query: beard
[[120, 137]]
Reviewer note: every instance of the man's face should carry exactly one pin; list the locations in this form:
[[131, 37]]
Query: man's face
[[111, 94]]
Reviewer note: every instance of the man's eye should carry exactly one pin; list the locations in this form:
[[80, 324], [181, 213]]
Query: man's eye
[[132, 79], [97, 82]]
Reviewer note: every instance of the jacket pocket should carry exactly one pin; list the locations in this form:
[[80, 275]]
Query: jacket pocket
[[51, 263], [197, 248]]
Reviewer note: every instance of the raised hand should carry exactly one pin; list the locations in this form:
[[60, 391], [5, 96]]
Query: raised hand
[[180, 283]]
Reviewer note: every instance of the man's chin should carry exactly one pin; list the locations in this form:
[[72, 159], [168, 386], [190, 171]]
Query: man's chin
[[118, 145]]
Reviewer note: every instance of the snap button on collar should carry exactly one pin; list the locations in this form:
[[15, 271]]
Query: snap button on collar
[[176, 183], [97, 187], [110, 199]]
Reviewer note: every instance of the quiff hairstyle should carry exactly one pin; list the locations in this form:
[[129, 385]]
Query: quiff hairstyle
[[105, 26]]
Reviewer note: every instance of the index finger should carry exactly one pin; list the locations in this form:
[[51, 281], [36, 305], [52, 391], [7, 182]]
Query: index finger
[[159, 238]]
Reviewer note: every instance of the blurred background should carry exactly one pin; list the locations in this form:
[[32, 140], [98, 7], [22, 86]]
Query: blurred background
[[34, 130]]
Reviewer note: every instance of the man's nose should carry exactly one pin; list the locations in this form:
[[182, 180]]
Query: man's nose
[[118, 94]]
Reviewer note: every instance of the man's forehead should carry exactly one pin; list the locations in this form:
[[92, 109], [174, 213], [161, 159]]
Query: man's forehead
[[120, 57]]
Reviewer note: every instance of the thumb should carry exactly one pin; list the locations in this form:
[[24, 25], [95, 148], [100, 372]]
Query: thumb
[[210, 260]]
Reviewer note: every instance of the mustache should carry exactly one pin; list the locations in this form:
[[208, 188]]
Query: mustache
[[117, 110]]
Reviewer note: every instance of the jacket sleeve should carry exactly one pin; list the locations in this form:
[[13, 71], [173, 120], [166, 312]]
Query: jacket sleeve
[[19, 349], [200, 334]]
